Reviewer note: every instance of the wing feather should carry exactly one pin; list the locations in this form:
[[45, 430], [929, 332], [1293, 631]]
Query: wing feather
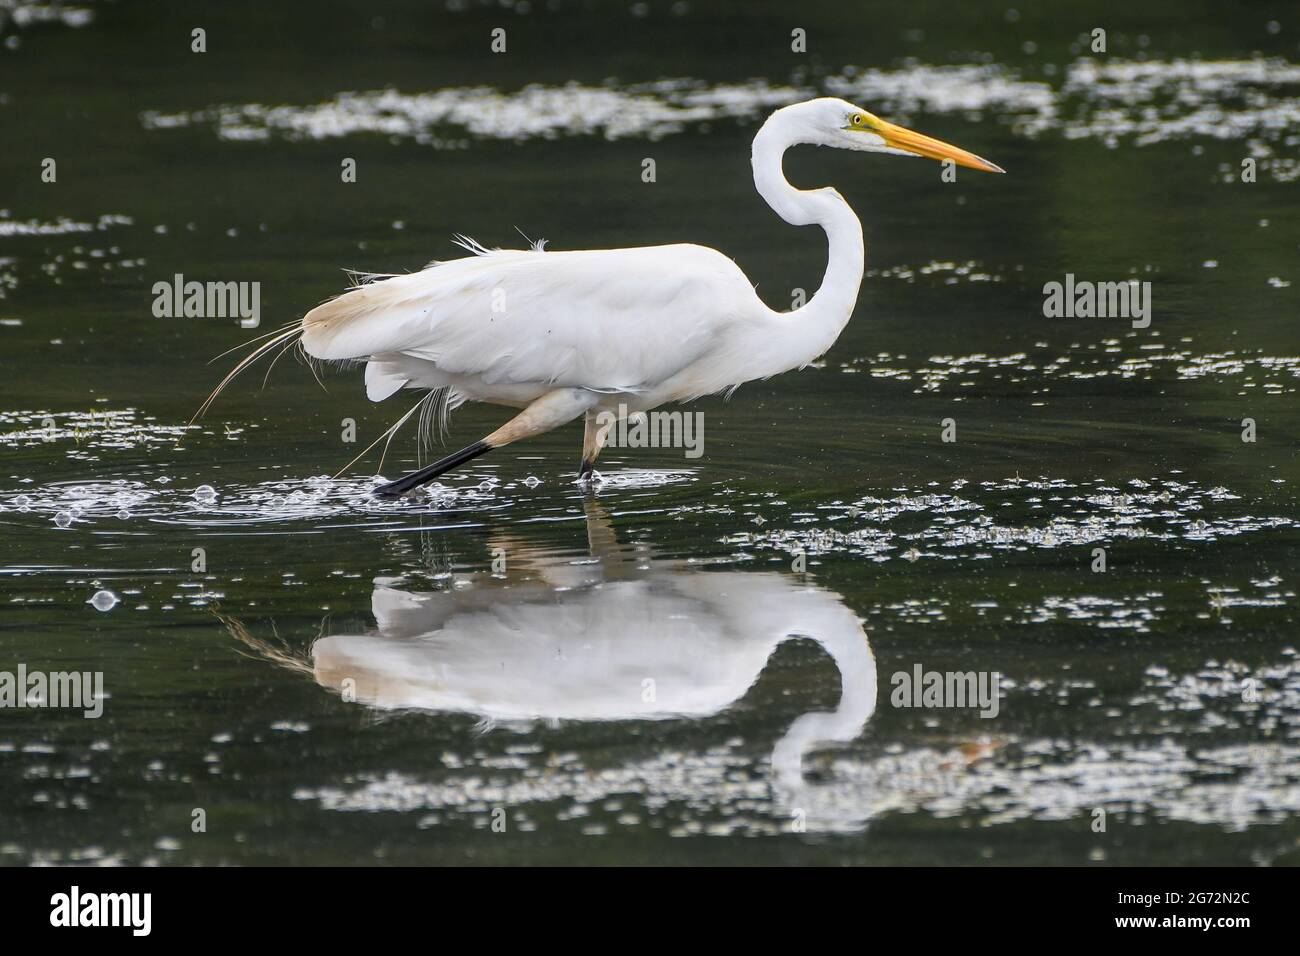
[[611, 320], [383, 379]]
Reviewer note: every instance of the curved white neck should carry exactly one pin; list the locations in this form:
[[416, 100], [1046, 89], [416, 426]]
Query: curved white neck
[[809, 331], [821, 616]]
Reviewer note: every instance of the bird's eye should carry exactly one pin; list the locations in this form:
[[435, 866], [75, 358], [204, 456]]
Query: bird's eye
[[857, 119]]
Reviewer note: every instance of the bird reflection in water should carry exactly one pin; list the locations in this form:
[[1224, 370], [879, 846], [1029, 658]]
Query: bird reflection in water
[[616, 636]]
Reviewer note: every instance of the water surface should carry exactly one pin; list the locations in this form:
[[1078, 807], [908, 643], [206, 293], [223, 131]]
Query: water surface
[[690, 662]]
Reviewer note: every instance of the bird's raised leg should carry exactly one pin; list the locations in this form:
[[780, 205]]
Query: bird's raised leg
[[550, 411], [593, 440]]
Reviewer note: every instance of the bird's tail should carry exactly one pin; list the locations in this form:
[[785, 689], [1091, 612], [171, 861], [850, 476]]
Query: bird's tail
[[285, 338], [371, 317]]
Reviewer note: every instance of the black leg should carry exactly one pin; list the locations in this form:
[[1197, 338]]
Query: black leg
[[426, 474], [586, 468]]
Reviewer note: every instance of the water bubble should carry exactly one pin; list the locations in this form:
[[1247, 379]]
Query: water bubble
[[532, 482], [103, 601], [63, 519], [205, 493]]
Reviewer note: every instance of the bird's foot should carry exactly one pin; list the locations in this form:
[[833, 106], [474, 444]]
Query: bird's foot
[[426, 474]]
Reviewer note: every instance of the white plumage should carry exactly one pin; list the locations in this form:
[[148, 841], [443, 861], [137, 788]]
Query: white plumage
[[614, 331], [554, 639], [508, 326]]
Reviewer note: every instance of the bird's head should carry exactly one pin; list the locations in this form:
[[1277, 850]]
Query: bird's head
[[830, 121]]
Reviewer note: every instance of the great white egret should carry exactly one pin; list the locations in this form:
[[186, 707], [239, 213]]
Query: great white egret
[[618, 331], [553, 639]]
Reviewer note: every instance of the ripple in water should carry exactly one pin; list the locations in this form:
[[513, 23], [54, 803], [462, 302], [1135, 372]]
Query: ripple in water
[[102, 503]]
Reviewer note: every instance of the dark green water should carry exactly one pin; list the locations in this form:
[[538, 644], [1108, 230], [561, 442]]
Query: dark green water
[[626, 674]]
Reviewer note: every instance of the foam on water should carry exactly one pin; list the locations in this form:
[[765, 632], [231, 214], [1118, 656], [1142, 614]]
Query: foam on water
[[27, 14], [63, 226], [963, 522], [84, 433], [1129, 356], [1142, 102]]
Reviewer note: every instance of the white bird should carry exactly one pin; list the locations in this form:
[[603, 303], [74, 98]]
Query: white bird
[[615, 331], [553, 639]]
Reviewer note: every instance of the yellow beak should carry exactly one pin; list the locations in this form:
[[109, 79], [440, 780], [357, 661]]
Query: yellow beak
[[921, 145]]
